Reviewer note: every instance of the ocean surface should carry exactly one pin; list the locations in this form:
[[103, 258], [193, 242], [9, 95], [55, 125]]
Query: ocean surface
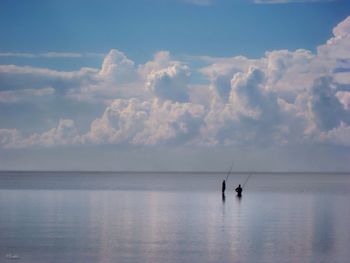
[[173, 217]]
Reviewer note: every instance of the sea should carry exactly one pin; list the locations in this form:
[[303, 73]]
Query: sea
[[174, 217]]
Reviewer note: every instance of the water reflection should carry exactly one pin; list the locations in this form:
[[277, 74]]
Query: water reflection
[[223, 197], [323, 227], [173, 226]]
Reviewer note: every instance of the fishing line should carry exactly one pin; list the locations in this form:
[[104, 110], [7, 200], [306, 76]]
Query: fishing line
[[228, 174], [246, 180]]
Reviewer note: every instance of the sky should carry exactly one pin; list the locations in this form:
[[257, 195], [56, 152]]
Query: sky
[[180, 85]]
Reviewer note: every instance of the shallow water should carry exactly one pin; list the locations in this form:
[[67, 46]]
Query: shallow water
[[173, 217]]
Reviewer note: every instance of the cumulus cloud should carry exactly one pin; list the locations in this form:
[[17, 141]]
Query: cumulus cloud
[[161, 59], [336, 51], [117, 67], [116, 77], [64, 134], [145, 122], [339, 135], [170, 83], [165, 78], [250, 113], [327, 110], [284, 97], [283, 65]]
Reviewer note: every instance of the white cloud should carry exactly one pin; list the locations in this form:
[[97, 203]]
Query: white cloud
[[249, 95], [12, 96], [61, 55], [118, 77], [52, 54], [14, 78], [115, 78], [327, 110], [285, 97], [116, 65], [146, 122], [344, 98], [337, 50], [165, 78], [44, 72], [339, 135], [251, 112], [170, 83], [160, 61], [64, 134], [10, 138], [18, 54]]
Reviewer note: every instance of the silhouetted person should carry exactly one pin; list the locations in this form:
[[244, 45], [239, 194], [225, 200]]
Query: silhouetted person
[[223, 197], [239, 191], [223, 186]]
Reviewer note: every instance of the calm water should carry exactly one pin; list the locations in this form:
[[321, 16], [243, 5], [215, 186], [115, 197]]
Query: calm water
[[126, 217]]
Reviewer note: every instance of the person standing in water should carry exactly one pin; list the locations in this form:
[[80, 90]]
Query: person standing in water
[[239, 191], [223, 186]]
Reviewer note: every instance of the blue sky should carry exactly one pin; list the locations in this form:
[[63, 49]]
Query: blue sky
[[175, 83], [141, 28]]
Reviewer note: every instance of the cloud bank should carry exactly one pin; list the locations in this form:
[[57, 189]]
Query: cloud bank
[[285, 97]]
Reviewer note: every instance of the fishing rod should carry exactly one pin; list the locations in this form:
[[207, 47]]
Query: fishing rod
[[228, 174], [246, 180]]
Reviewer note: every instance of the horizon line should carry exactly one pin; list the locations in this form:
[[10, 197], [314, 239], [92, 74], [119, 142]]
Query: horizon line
[[178, 171]]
